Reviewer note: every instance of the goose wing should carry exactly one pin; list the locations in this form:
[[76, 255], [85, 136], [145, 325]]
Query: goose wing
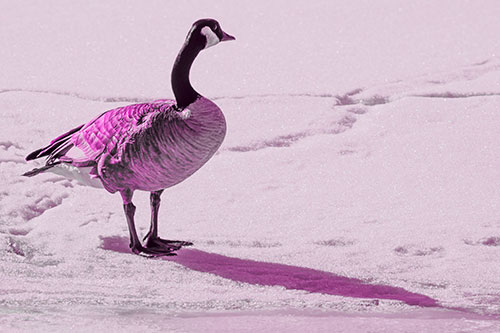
[[83, 145], [112, 129]]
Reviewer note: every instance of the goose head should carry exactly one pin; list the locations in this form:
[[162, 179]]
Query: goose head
[[203, 34], [206, 33]]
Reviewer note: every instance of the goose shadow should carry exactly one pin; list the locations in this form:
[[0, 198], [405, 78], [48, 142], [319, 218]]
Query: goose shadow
[[273, 274]]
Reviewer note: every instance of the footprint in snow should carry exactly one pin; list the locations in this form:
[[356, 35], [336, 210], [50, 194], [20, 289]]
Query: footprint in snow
[[11, 152], [487, 241], [339, 242], [247, 244], [412, 250]]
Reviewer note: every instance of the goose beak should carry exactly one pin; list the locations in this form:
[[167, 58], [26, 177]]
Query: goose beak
[[226, 37]]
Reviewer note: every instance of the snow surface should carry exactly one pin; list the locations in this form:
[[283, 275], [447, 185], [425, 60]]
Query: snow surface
[[359, 176]]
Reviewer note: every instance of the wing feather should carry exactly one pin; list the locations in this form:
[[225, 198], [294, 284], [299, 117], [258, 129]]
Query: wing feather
[[106, 132], [116, 127]]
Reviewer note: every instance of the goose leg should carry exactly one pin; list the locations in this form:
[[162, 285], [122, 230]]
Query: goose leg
[[152, 239], [135, 243], [155, 207]]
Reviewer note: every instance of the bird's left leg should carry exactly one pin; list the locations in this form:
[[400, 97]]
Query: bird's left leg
[[152, 239], [135, 243]]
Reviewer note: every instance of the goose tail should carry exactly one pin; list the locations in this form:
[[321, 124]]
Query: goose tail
[[56, 147], [34, 155], [36, 171]]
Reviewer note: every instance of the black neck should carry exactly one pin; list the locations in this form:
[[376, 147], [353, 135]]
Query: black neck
[[183, 91]]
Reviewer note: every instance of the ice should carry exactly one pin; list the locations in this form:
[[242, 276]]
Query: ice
[[359, 171]]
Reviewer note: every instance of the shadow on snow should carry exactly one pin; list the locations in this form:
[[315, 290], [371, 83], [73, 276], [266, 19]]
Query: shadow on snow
[[272, 274]]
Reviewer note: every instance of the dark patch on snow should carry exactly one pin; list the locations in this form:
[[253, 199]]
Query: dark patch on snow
[[82, 96], [430, 285], [401, 250], [487, 241], [39, 206], [357, 110], [375, 100], [20, 248], [436, 82], [282, 141], [285, 140], [449, 94], [277, 142], [15, 248], [347, 121], [347, 152], [347, 98], [7, 144], [116, 243], [335, 242], [247, 244], [314, 95], [354, 91], [19, 231], [125, 99], [416, 251], [484, 62], [491, 241]]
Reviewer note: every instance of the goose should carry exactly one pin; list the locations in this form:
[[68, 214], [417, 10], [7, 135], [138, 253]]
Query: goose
[[146, 147]]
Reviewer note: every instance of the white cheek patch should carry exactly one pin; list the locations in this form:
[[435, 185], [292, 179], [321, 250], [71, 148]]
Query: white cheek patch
[[212, 38]]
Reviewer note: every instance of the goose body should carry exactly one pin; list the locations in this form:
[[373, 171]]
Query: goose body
[[146, 147], [149, 146]]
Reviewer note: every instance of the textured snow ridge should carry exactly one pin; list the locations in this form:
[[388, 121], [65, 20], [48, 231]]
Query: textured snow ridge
[[103, 99]]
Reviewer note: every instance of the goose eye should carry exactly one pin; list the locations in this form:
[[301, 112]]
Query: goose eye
[[218, 31]]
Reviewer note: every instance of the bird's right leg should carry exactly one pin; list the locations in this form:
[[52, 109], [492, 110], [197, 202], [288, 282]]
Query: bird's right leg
[[135, 243], [152, 239]]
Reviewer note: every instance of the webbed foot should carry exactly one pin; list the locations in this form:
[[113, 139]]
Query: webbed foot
[[153, 251], [157, 242]]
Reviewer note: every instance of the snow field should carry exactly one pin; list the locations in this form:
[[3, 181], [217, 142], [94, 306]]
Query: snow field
[[359, 147]]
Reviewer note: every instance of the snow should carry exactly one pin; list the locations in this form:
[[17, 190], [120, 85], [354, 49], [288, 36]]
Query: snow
[[358, 178]]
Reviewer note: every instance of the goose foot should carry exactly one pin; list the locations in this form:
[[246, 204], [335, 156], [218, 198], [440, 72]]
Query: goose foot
[[153, 251], [173, 245]]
